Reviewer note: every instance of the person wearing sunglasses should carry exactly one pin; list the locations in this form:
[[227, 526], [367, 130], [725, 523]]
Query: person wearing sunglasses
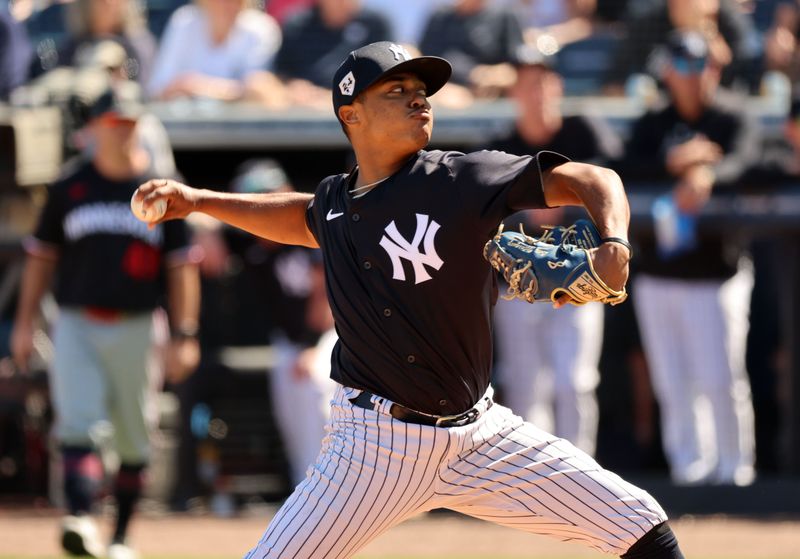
[[693, 288]]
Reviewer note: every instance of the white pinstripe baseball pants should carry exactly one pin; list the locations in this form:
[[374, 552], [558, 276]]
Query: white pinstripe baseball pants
[[548, 366], [695, 337], [374, 472]]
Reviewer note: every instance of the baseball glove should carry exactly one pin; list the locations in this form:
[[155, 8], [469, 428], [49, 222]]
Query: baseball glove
[[541, 269]]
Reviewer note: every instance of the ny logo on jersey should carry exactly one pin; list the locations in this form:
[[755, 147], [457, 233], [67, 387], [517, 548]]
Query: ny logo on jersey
[[398, 248]]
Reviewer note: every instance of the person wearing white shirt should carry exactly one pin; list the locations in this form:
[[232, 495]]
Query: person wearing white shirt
[[211, 48]]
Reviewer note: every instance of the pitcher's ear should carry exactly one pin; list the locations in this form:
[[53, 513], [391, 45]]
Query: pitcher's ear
[[348, 114]]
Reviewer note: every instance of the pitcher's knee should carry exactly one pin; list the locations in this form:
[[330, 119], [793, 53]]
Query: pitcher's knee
[[658, 543]]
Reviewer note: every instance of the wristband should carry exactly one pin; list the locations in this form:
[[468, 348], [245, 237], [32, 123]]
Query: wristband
[[618, 240], [183, 332]]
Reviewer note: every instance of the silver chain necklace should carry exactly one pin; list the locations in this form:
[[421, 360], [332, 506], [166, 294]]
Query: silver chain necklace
[[367, 186]]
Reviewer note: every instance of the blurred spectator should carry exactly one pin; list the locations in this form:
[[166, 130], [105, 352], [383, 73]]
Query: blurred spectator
[[315, 42], [291, 281], [89, 22], [104, 63], [158, 14], [407, 19], [693, 290], [780, 41], [281, 10], [778, 167], [563, 21], [762, 12], [211, 49], [479, 40], [224, 316], [111, 273], [15, 54], [780, 157], [285, 306], [615, 11], [550, 378], [733, 41], [47, 29]]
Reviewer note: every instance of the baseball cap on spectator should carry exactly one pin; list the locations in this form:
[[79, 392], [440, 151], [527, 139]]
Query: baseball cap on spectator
[[531, 55], [118, 103], [688, 51], [260, 175], [368, 65]]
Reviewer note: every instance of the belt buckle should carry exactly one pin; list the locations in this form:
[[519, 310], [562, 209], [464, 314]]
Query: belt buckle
[[459, 420]]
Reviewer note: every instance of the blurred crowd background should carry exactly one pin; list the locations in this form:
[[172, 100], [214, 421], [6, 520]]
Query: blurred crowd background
[[219, 440]]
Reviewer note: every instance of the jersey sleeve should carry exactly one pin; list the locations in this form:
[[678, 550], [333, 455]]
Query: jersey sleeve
[[177, 245], [316, 208], [500, 183], [48, 237]]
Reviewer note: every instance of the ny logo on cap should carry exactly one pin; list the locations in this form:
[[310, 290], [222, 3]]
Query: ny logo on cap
[[348, 84], [400, 53]]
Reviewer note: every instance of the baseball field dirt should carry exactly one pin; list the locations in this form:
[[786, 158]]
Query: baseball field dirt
[[33, 533]]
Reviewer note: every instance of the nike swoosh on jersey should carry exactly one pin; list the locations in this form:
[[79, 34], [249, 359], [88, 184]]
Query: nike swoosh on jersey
[[332, 215]]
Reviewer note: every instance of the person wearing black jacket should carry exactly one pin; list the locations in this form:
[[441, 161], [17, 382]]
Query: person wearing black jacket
[[551, 379], [479, 40], [693, 289]]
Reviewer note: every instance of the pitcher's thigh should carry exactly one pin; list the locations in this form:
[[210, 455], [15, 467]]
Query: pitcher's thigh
[[364, 482], [533, 481]]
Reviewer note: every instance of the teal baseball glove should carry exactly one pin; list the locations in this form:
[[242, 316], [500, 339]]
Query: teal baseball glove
[[542, 269]]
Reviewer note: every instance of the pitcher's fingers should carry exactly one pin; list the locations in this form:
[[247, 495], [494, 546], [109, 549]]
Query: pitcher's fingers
[[149, 186], [562, 300]]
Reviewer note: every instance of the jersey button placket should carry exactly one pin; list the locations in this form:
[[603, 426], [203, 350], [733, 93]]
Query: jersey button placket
[[355, 217]]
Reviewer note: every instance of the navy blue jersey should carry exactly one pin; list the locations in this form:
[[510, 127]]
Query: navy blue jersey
[[107, 257], [409, 288]]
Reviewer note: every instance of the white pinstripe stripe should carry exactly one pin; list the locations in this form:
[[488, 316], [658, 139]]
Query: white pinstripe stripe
[[375, 472], [395, 514], [559, 497], [581, 511], [331, 526]]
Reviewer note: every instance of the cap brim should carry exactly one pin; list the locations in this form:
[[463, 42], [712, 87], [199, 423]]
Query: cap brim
[[123, 112], [432, 70]]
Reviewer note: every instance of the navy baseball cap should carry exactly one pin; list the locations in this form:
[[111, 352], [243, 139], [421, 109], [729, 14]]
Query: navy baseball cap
[[123, 105], [376, 61]]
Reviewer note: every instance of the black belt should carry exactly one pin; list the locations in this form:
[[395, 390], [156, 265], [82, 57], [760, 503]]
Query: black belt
[[407, 415]]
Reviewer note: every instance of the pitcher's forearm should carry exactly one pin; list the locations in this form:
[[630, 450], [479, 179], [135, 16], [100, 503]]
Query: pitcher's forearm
[[597, 189], [279, 216]]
